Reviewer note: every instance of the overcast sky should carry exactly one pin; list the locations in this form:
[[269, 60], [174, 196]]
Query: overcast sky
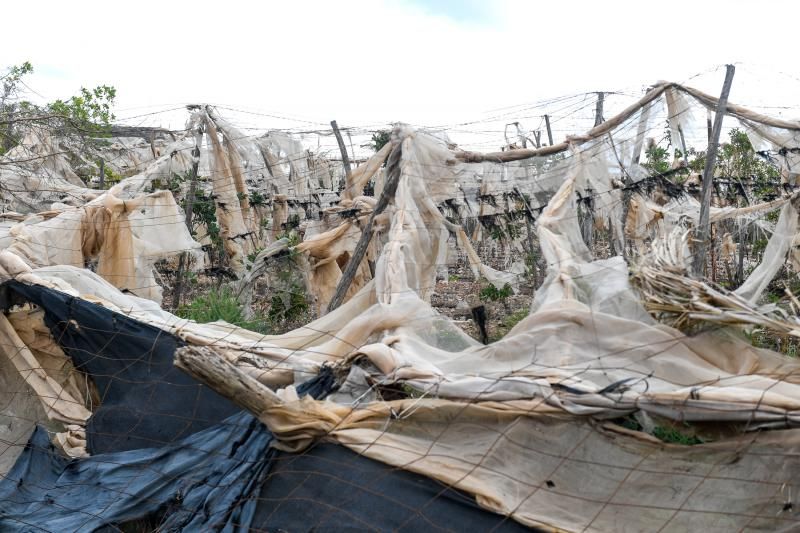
[[427, 62]]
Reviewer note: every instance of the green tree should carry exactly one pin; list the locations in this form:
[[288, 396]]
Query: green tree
[[379, 139], [738, 159], [85, 115], [657, 161], [88, 112], [10, 105]]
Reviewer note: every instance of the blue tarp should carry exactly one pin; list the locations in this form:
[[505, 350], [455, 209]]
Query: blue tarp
[[169, 450]]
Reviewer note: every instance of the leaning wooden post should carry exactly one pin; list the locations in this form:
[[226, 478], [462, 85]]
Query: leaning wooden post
[[102, 174], [393, 176], [189, 210], [598, 110], [549, 131], [342, 149], [703, 226]]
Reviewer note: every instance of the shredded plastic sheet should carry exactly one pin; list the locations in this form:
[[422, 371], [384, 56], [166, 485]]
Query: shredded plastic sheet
[[125, 238], [518, 423]]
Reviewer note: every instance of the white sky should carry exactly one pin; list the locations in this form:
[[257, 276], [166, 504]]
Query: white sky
[[369, 63]]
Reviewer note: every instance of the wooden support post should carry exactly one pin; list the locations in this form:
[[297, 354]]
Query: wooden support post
[[102, 174], [342, 149], [683, 147], [549, 131], [703, 226], [189, 210], [393, 176], [598, 110]]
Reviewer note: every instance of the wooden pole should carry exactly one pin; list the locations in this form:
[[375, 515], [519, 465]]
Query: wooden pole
[[703, 226], [598, 110], [683, 147], [189, 210], [549, 131], [531, 249], [342, 149], [102, 174], [352, 150], [393, 176], [153, 144], [537, 136]]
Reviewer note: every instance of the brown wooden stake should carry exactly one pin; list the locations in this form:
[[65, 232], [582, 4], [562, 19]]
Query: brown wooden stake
[[683, 147], [153, 144], [549, 131], [102, 174], [703, 225], [598, 110], [342, 149], [393, 176]]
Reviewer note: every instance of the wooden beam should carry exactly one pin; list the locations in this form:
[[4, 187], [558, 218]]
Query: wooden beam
[[703, 226], [596, 132], [342, 149], [393, 176]]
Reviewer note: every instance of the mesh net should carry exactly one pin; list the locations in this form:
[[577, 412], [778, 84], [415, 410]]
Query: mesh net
[[560, 424]]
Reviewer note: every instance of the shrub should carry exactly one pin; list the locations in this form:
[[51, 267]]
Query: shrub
[[219, 304]]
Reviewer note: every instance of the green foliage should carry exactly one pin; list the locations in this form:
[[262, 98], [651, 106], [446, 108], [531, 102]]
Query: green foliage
[[292, 236], [379, 139], [513, 231], [674, 436], [507, 324], [12, 78], [289, 301], [85, 115], [204, 211], [737, 158], [288, 305], [219, 304], [88, 112], [490, 293], [257, 199], [111, 178], [252, 256], [668, 434], [496, 232], [657, 160], [10, 107]]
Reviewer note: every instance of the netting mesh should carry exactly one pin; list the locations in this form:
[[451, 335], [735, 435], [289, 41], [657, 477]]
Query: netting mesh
[[383, 413]]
